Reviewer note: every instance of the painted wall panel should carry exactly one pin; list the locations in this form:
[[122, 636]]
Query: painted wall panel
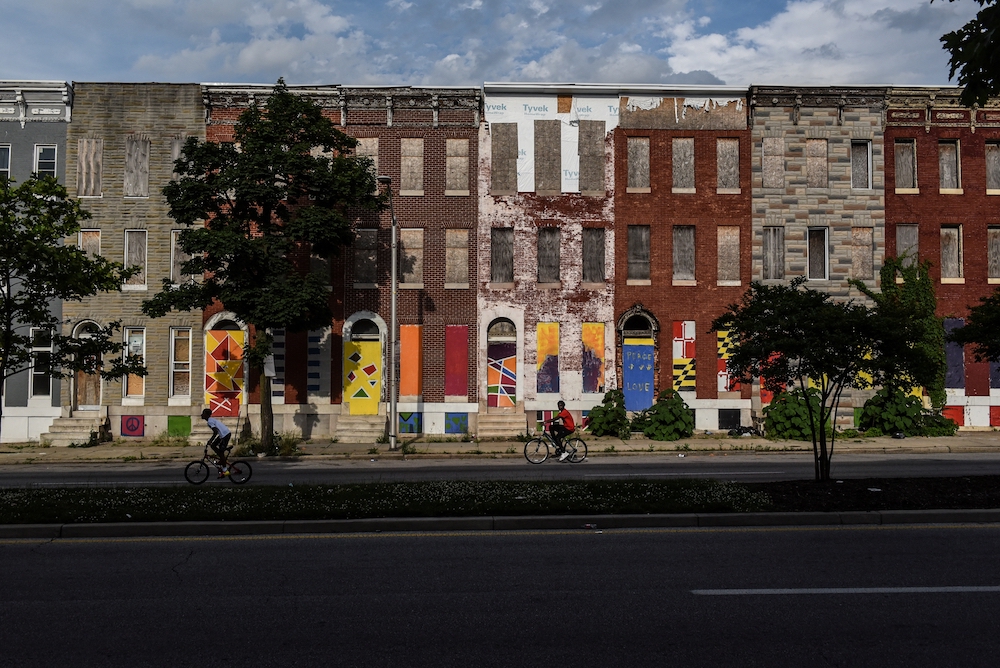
[[362, 376], [410, 360], [456, 360], [593, 357], [684, 356], [637, 369], [547, 378], [501, 375], [224, 379]]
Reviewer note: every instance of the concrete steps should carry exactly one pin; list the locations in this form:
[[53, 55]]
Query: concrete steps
[[65, 431], [500, 425], [360, 428]]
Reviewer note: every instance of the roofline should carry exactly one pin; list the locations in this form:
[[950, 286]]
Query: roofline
[[614, 89]]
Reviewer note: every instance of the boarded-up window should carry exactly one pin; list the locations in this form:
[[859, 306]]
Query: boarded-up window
[[638, 163], [411, 256], [683, 163], [137, 166], [906, 163], [591, 149], [367, 147], [817, 175], [457, 167], [135, 256], [135, 341], [456, 360], [863, 253], [993, 166], [773, 249], [951, 178], [638, 252], [773, 162], [89, 167], [951, 252], [176, 150], [90, 242], [683, 252], [503, 158], [907, 243], [993, 251], [548, 254], [411, 166], [177, 258], [861, 164], [548, 156], [729, 254], [456, 272], [593, 255], [502, 255], [817, 252], [180, 362], [727, 153], [366, 256]]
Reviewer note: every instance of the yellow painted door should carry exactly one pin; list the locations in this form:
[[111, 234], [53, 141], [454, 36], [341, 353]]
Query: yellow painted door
[[362, 376]]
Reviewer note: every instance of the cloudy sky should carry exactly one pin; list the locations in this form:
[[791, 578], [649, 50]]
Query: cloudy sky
[[438, 42]]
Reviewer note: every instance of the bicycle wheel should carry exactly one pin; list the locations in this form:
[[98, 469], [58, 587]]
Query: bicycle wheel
[[536, 451], [577, 449], [240, 472], [196, 472]]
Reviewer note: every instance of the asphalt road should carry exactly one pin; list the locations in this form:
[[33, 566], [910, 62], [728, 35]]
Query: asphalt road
[[740, 467], [875, 596]]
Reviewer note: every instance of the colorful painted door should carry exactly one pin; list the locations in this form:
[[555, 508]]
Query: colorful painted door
[[363, 376], [224, 378], [501, 375], [637, 372]]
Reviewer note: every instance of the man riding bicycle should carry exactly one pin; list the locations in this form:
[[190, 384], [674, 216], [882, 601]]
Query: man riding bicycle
[[219, 441], [562, 426]]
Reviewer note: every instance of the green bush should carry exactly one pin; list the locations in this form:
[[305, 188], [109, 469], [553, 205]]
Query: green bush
[[668, 419], [609, 419], [935, 424], [892, 411], [787, 416]]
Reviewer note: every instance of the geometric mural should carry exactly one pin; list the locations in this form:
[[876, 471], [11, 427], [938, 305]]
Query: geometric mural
[[684, 356], [411, 423], [456, 423], [725, 345], [501, 375], [363, 376], [224, 381]]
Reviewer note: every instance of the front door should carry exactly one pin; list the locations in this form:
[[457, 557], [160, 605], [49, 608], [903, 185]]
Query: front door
[[363, 376], [224, 379], [87, 388], [501, 375], [637, 372]]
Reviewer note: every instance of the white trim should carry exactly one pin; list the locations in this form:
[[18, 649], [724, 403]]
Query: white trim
[[128, 399], [55, 160], [172, 394]]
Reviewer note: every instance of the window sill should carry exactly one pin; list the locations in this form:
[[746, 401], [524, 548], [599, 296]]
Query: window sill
[[602, 193], [951, 191], [366, 286], [907, 191], [411, 193], [867, 190], [683, 191], [953, 281], [993, 281], [502, 286], [101, 196], [729, 284], [456, 286], [133, 401], [728, 191], [638, 281], [548, 193], [179, 400], [135, 288], [638, 190], [456, 193], [549, 286], [134, 197], [411, 286], [502, 193], [993, 191], [596, 287], [684, 282]]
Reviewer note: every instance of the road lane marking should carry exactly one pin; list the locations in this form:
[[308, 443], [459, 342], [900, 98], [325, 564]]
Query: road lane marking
[[844, 590], [692, 473]]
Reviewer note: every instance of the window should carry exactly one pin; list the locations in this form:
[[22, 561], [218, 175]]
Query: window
[[365, 258], [638, 165], [176, 151], [367, 147], [502, 255], [728, 255], [4, 161], [137, 166], [638, 253], [41, 362], [907, 239], [593, 255], [89, 167], [774, 253], [727, 153], [503, 175], [992, 167], [591, 150], [411, 257], [180, 362], [683, 164], [177, 258], [135, 344], [949, 164], [135, 256], [548, 254], [993, 253], [411, 166], [457, 167], [861, 164], [906, 164], [45, 160], [90, 242], [548, 157], [951, 254], [773, 162], [683, 253], [456, 270], [817, 253], [817, 172], [863, 253]]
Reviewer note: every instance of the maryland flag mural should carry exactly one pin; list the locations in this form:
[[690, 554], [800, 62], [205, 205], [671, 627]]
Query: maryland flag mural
[[684, 356], [725, 343], [224, 379]]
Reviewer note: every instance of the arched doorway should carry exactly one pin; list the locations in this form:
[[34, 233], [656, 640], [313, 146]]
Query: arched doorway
[[363, 367], [225, 378], [87, 386], [637, 333], [501, 365]]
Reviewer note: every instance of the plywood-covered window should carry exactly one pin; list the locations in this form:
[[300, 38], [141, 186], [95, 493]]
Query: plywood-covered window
[[817, 170], [906, 163], [862, 253], [683, 164], [89, 167], [502, 255], [176, 152], [993, 252], [137, 166], [949, 165], [993, 167], [456, 271], [366, 257], [591, 150], [683, 252], [177, 259], [548, 157], [90, 242], [135, 347], [638, 252], [411, 166], [818, 253], [728, 255], [367, 147], [135, 256], [638, 165], [457, 167], [727, 153], [180, 362], [773, 162], [548, 254], [593, 255], [907, 243], [411, 257], [773, 251], [861, 164], [951, 252], [503, 158]]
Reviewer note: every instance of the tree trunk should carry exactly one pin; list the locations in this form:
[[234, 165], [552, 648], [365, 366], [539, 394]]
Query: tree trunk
[[266, 414]]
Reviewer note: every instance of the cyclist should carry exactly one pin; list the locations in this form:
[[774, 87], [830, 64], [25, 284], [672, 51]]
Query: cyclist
[[219, 440], [562, 426]]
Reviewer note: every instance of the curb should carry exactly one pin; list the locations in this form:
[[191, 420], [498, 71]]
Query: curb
[[496, 523]]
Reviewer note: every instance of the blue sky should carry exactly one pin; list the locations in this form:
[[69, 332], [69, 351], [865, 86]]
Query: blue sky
[[435, 42]]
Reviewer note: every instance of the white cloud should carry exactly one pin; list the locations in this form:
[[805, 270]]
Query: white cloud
[[400, 5]]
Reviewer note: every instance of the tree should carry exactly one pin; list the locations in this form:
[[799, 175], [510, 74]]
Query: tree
[[975, 54], [37, 269], [288, 187], [788, 334], [981, 329]]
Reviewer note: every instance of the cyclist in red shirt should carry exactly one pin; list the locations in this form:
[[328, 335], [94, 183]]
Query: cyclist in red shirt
[[562, 426]]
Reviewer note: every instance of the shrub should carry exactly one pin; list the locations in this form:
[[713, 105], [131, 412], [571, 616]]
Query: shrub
[[891, 411], [935, 424], [668, 419], [788, 417], [609, 419]]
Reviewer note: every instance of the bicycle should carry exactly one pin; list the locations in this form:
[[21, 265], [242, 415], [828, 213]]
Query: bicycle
[[540, 448], [197, 471]]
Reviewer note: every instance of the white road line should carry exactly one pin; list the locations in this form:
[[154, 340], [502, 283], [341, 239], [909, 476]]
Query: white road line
[[668, 475], [843, 590]]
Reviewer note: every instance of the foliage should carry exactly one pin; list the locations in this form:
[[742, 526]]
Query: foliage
[[935, 424], [255, 210], [788, 417], [668, 419], [37, 269], [892, 411], [609, 419], [981, 329], [975, 52]]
